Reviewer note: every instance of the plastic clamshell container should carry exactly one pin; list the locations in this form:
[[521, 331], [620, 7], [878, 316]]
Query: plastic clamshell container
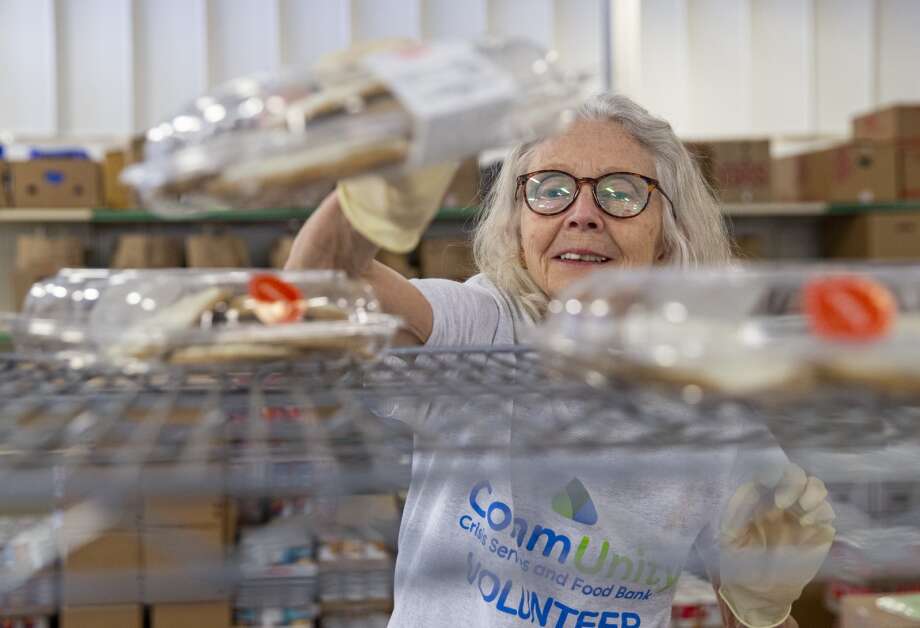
[[742, 331]]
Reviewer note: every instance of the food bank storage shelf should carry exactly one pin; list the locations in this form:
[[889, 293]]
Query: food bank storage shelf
[[307, 431], [287, 399]]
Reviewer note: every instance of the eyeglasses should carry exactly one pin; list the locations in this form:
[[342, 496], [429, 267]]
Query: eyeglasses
[[618, 194]]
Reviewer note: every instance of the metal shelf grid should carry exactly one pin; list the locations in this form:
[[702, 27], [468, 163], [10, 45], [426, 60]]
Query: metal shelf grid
[[291, 409], [316, 431]]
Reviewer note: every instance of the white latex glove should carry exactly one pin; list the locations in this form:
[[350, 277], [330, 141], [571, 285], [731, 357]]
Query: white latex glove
[[394, 212], [775, 535]]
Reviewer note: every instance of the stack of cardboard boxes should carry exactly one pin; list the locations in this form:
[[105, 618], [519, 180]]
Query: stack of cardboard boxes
[[68, 178], [164, 551], [881, 164], [738, 171]]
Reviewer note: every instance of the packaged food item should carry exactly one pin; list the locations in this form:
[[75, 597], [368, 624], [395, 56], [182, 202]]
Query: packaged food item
[[216, 318], [354, 570], [55, 314], [283, 140], [695, 604], [270, 617], [357, 620], [756, 330], [140, 320]]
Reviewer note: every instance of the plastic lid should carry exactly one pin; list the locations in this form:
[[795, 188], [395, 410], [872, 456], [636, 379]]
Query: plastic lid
[[142, 320], [281, 140], [743, 330]]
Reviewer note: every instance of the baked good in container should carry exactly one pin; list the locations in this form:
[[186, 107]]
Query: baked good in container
[[231, 317], [773, 333]]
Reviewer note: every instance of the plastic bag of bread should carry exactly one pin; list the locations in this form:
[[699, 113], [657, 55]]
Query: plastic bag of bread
[[751, 331], [242, 316], [283, 140]]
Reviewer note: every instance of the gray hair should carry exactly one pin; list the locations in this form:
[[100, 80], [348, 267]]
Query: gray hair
[[693, 230]]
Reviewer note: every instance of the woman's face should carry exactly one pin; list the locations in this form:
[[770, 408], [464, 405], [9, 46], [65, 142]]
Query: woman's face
[[588, 149]]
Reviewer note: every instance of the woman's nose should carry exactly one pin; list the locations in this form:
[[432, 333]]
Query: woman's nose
[[584, 213]]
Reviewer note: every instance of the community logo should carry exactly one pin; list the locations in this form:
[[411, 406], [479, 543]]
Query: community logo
[[575, 503]]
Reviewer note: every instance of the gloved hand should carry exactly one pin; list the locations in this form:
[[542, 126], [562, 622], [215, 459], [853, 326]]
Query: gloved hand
[[394, 212], [775, 535]]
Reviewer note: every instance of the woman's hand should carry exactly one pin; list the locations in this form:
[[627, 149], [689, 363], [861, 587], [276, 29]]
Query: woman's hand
[[328, 241], [775, 536]]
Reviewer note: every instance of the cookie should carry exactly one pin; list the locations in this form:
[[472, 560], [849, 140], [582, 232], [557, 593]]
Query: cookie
[[339, 161], [229, 353]]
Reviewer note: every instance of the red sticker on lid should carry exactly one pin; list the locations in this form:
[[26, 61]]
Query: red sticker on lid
[[270, 289], [267, 288], [849, 308]]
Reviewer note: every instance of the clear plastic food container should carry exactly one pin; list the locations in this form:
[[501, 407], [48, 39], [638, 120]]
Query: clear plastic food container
[[240, 316], [141, 321], [283, 140], [756, 330], [55, 313]]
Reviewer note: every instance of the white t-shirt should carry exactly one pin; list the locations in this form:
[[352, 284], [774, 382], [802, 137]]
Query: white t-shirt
[[500, 534], [472, 313]]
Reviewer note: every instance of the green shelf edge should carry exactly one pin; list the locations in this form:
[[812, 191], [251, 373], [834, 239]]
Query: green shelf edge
[[260, 215], [843, 209], [139, 215]]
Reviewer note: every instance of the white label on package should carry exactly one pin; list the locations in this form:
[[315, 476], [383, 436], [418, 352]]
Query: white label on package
[[457, 98]]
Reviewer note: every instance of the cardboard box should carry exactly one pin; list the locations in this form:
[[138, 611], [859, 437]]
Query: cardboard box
[[281, 251], [184, 564], [863, 611], [882, 235], [211, 615], [183, 512], [448, 258], [56, 183], [909, 156], [898, 122], [804, 177], [215, 250], [787, 181], [115, 194], [738, 171], [750, 246], [140, 250], [870, 172], [865, 172], [115, 616], [464, 189], [4, 184], [22, 280], [231, 520], [104, 571]]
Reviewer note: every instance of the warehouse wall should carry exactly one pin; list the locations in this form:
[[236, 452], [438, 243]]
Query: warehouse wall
[[714, 67]]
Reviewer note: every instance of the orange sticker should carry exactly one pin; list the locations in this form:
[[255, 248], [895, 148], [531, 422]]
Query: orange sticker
[[849, 308], [267, 288]]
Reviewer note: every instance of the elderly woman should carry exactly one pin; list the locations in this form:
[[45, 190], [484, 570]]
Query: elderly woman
[[616, 189]]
